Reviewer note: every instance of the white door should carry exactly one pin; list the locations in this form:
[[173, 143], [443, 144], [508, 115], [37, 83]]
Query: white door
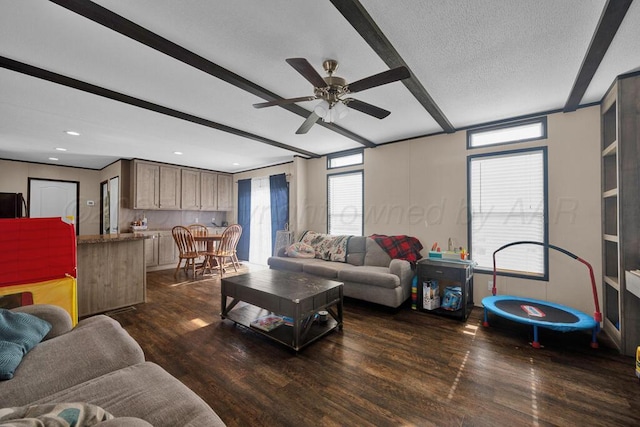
[[53, 199]]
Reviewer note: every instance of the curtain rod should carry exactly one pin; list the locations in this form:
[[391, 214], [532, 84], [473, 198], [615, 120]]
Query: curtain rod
[[287, 175]]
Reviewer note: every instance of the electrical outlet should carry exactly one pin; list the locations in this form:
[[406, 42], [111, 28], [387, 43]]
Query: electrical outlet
[[197, 220], [490, 284]]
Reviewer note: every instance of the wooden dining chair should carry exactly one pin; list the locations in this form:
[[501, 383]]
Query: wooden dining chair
[[226, 249], [201, 230], [187, 248]]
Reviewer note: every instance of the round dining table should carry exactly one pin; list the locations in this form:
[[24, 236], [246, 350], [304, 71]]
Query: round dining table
[[211, 240]]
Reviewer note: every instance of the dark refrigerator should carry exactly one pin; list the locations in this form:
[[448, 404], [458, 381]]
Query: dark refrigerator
[[11, 205]]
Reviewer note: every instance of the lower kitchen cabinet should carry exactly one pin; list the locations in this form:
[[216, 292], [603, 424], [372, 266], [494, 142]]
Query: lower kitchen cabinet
[[161, 252]]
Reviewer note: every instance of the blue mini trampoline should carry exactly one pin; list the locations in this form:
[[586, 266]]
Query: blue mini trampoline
[[543, 314]]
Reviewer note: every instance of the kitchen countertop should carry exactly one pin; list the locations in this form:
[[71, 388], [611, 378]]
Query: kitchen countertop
[[105, 238]]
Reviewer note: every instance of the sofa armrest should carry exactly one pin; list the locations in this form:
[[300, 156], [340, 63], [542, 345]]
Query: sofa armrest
[[402, 269], [58, 318]]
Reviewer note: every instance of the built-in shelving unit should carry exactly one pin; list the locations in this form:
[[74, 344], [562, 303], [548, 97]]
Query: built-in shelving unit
[[620, 110]]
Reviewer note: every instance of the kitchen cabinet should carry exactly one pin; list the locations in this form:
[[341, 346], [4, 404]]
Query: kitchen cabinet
[[168, 253], [170, 185], [155, 186], [160, 250], [191, 188], [146, 189], [151, 250], [166, 187], [225, 192], [208, 191], [199, 190]]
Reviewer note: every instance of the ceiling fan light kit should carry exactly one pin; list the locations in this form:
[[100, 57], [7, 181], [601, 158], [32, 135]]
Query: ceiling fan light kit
[[331, 90], [330, 113]]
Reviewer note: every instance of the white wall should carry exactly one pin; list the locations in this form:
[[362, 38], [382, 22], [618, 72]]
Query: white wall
[[419, 188], [14, 178]]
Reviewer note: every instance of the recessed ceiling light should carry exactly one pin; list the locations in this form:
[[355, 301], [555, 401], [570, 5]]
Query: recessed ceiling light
[[235, 164], [61, 149], [71, 132], [53, 158], [179, 153]]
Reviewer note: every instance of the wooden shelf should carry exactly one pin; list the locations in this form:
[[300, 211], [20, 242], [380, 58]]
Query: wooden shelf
[[612, 281], [621, 211], [611, 150], [283, 334]]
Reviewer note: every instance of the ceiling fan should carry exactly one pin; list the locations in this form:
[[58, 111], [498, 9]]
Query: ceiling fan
[[333, 92]]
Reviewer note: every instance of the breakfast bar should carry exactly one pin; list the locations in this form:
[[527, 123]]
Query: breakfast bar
[[111, 272]]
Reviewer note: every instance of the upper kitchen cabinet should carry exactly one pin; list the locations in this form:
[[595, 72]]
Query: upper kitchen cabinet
[[225, 192], [167, 187], [155, 186], [208, 191], [191, 188], [170, 185], [199, 190], [145, 185]]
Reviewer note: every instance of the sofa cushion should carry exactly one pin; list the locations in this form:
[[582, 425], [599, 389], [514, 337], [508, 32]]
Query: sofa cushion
[[19, 333], [143, 391], [96, 346], [291, 264], [356, 250], [376, 256], [327, 269], [374, 276]]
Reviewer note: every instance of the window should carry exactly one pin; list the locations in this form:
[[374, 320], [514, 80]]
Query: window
[[345, 194], [508, 203], [518, 131], [345, 159]]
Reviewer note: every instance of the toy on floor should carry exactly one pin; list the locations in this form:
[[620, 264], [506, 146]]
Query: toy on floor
[[541, 313]]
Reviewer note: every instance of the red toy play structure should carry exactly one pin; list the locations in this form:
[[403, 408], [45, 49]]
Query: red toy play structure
[[38, 263]]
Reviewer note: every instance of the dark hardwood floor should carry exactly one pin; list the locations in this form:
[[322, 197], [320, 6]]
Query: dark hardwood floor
[[386, 368]]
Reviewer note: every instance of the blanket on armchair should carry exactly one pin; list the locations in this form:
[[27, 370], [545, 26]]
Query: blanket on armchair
[[400, 247]]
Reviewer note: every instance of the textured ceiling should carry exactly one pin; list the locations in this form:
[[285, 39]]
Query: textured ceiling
[[481, 61]]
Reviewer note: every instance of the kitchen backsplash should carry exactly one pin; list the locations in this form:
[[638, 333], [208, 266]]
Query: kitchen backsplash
[[168, 219]]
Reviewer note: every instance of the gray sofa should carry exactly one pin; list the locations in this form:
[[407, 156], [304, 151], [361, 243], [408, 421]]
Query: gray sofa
[[99, 363], [368, 274]]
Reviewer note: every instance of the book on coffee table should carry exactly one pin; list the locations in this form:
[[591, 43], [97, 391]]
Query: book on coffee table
[[267, 323]]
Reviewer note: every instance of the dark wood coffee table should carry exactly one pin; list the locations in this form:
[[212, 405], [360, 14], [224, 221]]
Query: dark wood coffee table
[[295, 295]]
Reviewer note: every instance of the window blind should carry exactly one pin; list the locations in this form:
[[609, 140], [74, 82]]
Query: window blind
[[507, 204], [345, 203]]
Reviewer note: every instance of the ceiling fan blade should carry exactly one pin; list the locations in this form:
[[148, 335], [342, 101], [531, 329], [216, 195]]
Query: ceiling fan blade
[[366, 108], [379, 79], [308, 72], [306, 125], [283, 101]]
